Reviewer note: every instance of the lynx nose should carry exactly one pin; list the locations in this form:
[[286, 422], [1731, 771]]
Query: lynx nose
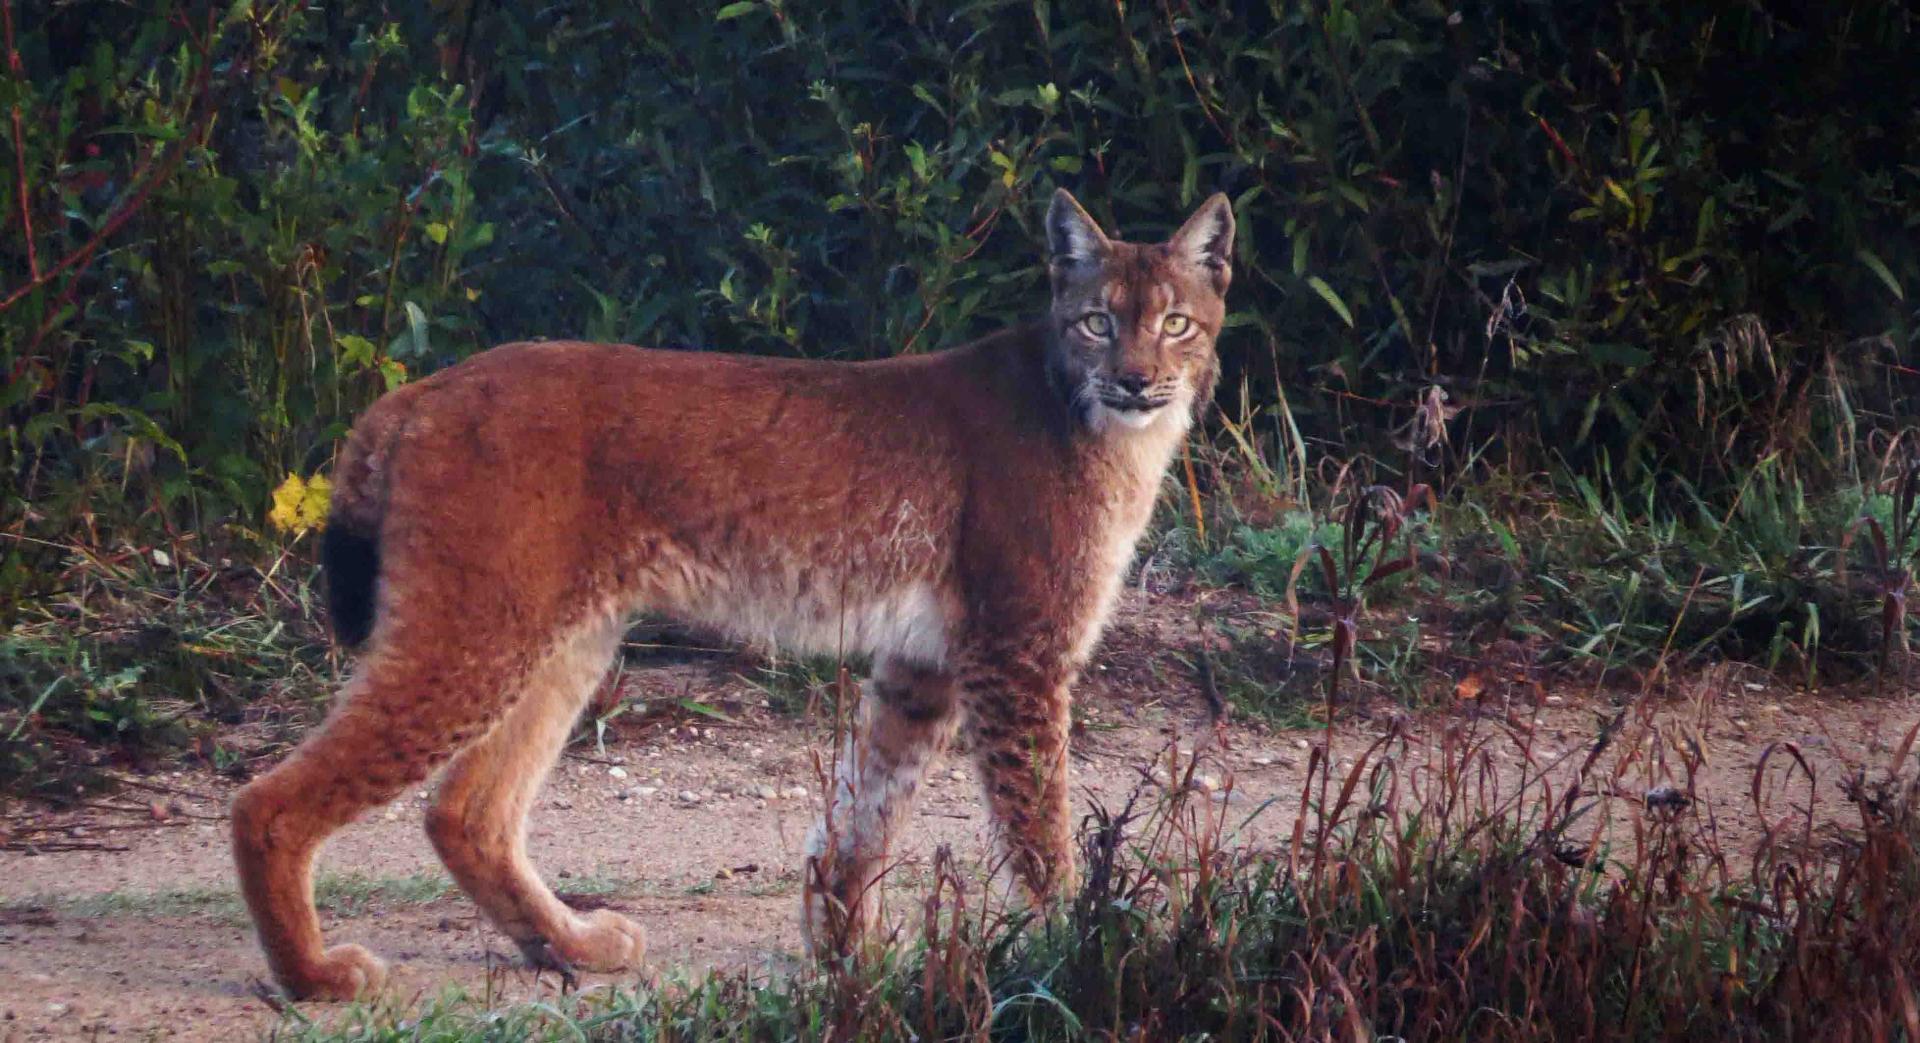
[[1133, 382]]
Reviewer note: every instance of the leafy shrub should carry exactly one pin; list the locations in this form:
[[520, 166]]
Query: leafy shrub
[[1650, 229]]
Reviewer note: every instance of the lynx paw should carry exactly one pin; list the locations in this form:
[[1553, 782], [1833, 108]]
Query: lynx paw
[[344, 972], [600, 941], [830, 926]]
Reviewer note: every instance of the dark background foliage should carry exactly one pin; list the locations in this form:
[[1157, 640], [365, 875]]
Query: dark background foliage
[[1631, 238]]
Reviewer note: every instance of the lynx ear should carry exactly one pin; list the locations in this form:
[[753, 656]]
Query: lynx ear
[[1072, 236], [1206, 240]]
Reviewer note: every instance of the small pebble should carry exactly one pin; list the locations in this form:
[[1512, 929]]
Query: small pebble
[[617, 772], [794, 792], [688, 796], [765, 792], [1263, 760]]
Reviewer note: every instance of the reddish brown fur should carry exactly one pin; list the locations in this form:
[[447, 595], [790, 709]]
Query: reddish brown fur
[[964, 516]]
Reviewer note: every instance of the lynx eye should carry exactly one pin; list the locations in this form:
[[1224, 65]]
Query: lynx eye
[[1097, 324], [1176, 325]]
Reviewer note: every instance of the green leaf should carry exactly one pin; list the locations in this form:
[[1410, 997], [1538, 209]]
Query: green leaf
[[1879, 267], [1333, 299], [735, 10], [417, 330], [437, 232], [356, 349], [703, 709]]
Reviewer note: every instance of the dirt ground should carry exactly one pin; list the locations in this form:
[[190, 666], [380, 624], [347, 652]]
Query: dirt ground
[[695, 828]]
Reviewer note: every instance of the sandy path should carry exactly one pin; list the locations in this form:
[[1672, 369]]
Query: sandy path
[[149, 942]]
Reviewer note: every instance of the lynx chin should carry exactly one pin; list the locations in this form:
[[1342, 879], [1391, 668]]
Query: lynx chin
[[963, 517]]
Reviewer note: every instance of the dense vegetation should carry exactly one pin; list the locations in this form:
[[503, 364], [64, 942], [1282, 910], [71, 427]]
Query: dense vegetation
[[1666, 240], [1626, 285]]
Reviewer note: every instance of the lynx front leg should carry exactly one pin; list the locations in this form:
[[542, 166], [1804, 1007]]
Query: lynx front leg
[[1018, 720], [905, 722]]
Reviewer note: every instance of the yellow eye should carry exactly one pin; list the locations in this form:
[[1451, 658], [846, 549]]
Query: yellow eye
[[1097, 324], [1175, 325]]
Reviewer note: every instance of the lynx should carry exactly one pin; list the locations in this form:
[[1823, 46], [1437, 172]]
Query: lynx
[[963, 517]]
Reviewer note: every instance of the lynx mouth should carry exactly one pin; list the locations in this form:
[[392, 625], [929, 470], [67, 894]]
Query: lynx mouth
[[1132, 411], [1132, 403]]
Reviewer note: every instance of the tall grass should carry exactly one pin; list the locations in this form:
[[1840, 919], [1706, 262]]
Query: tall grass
[[1467, 886]]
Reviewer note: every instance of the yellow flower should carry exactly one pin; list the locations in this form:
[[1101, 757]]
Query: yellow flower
[[300, 504]]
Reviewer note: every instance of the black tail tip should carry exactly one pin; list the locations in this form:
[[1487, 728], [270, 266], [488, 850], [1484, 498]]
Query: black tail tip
[[350, 560]]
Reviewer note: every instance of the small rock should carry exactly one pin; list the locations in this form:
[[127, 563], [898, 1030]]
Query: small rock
[[765, 792], [1263, 760], [956, 774], [1555, 700], [1204, 782], [617, 772], [1667, 797], [794, 792], [563, 805], [1302, 744], [687, 796], [57, 1009], [638, 792], [161, 558]]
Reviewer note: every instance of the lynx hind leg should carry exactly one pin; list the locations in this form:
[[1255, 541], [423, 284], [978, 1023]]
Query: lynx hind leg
[[478, 819], [906, 720], [1018, 722], [399, 719]]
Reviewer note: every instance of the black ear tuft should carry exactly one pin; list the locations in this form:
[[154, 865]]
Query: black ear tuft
[[1073, 237], [1206, 240]]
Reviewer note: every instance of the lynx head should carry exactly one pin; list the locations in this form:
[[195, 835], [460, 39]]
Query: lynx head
[[1133, 324]]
